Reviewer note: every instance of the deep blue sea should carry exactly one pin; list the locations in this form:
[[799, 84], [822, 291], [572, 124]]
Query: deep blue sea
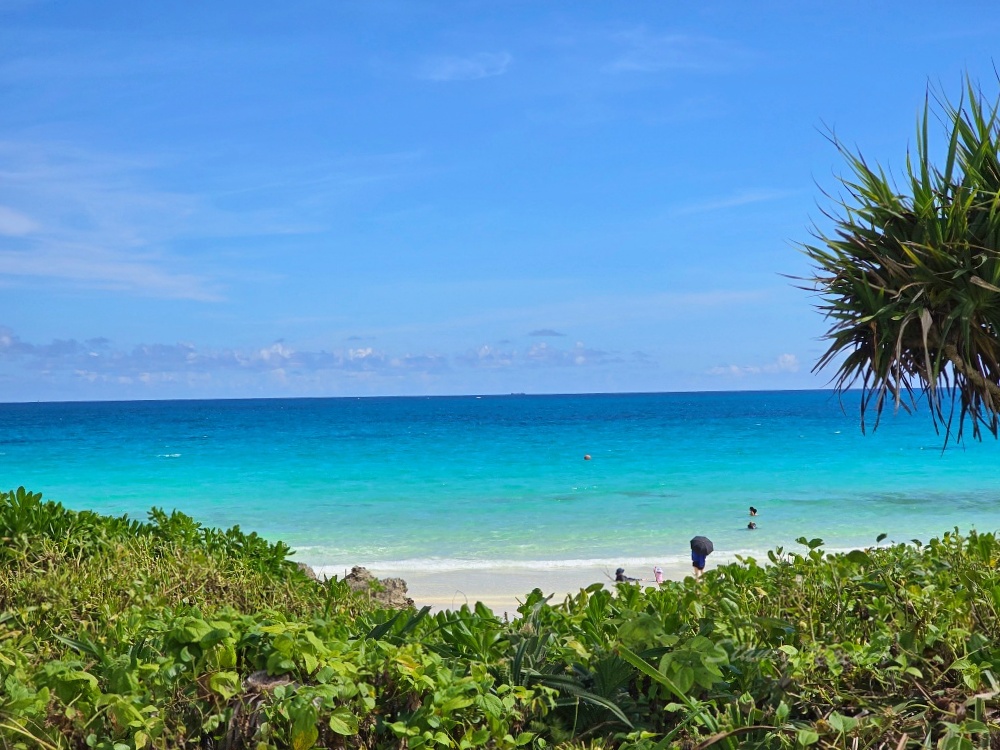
[[466, 482]]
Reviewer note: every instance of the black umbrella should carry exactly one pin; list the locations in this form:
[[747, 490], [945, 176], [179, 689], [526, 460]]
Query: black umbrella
[[702, 545]]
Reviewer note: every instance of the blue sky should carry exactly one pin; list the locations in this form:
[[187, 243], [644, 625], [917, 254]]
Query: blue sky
[[240, 199]]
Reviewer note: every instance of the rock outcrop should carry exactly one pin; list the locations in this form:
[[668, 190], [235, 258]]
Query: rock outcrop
[[388, 592], [308, 571]]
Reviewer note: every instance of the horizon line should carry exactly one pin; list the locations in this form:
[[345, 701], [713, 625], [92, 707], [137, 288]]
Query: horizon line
[[504, 394]]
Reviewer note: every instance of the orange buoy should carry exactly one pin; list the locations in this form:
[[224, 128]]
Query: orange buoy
[[586, 457]]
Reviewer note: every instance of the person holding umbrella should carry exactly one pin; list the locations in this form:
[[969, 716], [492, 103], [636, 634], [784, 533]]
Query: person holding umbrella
[[701, 547]]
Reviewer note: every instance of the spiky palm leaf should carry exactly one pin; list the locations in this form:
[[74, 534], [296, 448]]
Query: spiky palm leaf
[[910, 277]]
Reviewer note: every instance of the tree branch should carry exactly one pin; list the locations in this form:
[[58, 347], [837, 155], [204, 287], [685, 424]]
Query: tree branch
[[972, 374]]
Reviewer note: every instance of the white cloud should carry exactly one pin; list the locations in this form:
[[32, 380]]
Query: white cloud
[[99, 359], [83, 368], [541, 354], [15, 224], [489, 356], [482, 65], [277, 351], [783, 363]]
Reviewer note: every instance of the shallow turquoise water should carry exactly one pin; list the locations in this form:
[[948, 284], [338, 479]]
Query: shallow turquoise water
[[482, 481]]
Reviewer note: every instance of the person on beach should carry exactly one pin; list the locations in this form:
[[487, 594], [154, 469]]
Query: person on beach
[[698, 563], [620, 576], [701, 547], [658, 574]]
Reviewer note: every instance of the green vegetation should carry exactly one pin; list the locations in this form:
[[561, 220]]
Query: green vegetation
[[117, 635], [910, 274]]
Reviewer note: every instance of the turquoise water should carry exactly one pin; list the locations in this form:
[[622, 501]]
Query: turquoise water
[[451, 483]]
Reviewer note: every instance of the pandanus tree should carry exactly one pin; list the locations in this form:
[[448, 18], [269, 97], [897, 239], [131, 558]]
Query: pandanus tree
[[909, 274]]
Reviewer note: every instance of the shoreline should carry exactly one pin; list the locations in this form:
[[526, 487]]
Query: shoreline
[[504, 589]]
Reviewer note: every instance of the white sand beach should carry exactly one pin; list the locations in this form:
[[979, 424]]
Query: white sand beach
[[503, 589]]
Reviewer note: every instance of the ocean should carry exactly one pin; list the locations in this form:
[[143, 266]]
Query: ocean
[[474, 482]]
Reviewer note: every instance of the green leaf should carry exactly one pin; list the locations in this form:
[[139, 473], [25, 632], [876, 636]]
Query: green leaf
[[343, 722], [650, 671], [304, 731], [325, 674], [455, 704], [214, 636], [480, 737], [80, 676], [841, 723], [192, 630], [226, 684], [491, 705], [310, 662], [225, 655], [684, 679], [314, 641], [859, 557], [806, 737]]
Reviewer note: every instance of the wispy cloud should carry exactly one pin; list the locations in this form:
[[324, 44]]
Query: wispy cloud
[[96, 268], [742, 198], [471, 68], [88, 220], [95, 220], [783, 363], [14, 223], [644, 52]]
